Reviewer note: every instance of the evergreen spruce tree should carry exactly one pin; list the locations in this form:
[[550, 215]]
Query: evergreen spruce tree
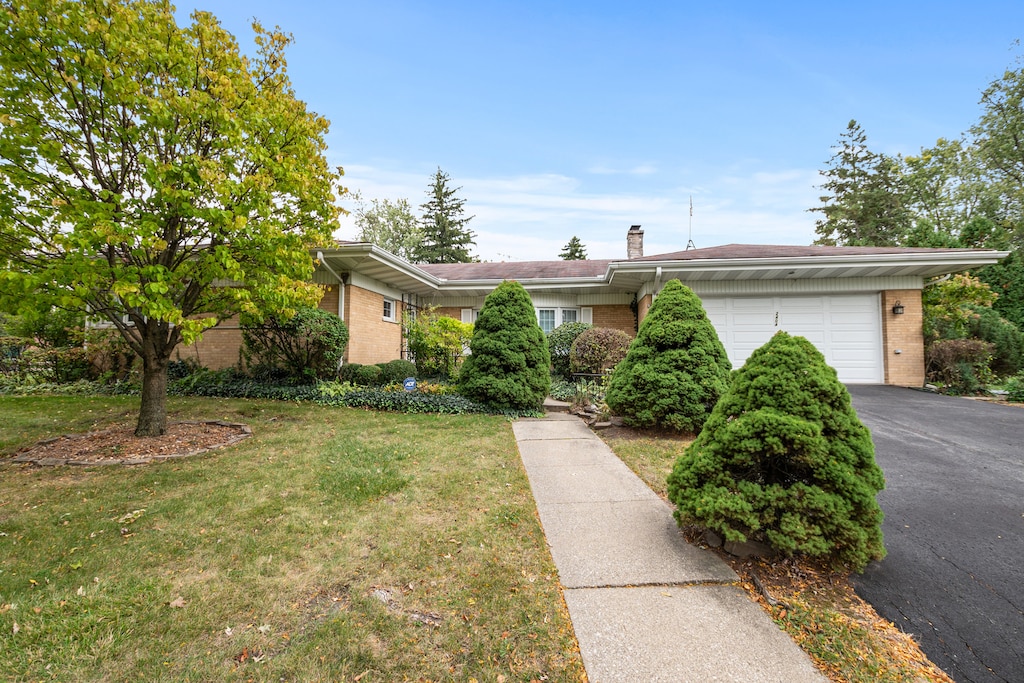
[[508, 366], [573, 250], [784, 460], [445, 239], [675, 369], [866, 198]]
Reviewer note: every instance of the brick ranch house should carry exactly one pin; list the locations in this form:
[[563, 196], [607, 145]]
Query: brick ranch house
[[861, 306]]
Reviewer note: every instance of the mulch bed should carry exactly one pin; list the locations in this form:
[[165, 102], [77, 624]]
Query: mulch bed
[[119, 445]]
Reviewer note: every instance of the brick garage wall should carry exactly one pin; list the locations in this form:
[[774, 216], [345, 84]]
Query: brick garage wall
[[329, 301], [643, 305], [371, 339], [616, 316], [906, 334], [219, 348]]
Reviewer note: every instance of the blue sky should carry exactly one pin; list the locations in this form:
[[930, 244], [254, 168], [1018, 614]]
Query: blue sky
[[582, 118]]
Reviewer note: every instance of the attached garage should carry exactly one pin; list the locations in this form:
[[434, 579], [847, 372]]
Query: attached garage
[[846, 328]]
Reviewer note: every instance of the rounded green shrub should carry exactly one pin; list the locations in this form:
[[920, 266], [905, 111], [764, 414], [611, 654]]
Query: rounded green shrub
[[395, 371], [367, 375], [784, 460], [348, 372], [598, 349], [1007, 340], [508, 366], [560, 342], [675, 369], [308, 345]]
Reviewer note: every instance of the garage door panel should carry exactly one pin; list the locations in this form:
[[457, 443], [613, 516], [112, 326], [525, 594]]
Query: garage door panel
[[845, 328]]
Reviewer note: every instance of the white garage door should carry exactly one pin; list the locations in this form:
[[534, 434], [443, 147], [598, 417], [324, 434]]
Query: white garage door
[[845, 328]]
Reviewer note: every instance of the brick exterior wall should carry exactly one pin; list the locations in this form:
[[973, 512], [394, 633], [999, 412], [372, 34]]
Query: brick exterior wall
[[906, 334], [219, 348], [371, 339], [644, 305], [329, 301], [615, 316]]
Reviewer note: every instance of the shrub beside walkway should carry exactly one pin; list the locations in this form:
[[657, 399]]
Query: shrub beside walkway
[[645, 605]]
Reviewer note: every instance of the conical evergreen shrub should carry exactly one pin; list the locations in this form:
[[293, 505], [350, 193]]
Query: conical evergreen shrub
[[508, 366], [785, 460], [675, 369]]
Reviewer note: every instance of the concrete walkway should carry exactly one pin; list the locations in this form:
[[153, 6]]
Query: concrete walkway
[[645, 605]]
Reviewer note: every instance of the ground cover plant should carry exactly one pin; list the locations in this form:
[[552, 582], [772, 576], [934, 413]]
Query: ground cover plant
[[814, 604], [675, 369], [784, 460], [334, 544]]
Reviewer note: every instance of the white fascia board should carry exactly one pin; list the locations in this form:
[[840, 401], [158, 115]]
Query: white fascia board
[[376, 286], [954, 261], [449, 286], [373, 252]]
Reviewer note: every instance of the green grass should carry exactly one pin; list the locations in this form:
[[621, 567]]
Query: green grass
[[318, 549]]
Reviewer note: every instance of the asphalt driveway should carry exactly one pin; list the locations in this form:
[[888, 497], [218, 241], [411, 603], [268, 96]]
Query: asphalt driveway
[[954, 528]]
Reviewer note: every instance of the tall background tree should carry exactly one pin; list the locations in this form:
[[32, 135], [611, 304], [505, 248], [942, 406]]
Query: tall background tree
[[446, 239], [573, 250], [144, 165], [864, 200], [390, 225], [961, 193]]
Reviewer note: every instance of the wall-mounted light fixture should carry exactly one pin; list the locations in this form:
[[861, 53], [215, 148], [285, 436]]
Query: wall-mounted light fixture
[[897, 309]]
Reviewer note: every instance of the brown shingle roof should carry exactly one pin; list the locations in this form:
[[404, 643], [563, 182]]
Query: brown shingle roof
[[540, 270]]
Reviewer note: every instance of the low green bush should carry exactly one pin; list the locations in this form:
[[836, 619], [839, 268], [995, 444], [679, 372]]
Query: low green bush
[[598, 349], [1007, 341], [310, 344], [560, 342], [230, 383], [368, 375], [562, 390], [959, 366], [1015, 389], [348, 372], [396, 371]]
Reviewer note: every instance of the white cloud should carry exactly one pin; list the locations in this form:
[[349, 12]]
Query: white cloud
[[531, 217]]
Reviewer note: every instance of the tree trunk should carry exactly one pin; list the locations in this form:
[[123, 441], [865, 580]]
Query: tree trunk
[[153, 412]]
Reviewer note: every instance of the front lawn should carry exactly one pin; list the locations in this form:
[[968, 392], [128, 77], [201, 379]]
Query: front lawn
[[335, 544]]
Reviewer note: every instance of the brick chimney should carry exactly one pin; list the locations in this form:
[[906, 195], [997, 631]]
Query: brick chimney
[[634, 242]]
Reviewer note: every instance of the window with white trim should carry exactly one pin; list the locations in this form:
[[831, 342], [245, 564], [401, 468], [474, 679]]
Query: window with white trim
[[550, 318], [389, 310]]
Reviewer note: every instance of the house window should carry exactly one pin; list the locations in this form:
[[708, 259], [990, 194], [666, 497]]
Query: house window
[[546, 318], [389, 310], [550, 318]]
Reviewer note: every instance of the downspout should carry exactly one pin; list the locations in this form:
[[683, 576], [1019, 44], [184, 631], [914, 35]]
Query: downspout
[[341, 283]]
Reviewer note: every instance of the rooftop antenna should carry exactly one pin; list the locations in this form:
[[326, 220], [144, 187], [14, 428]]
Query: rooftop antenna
[[689, 242]]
